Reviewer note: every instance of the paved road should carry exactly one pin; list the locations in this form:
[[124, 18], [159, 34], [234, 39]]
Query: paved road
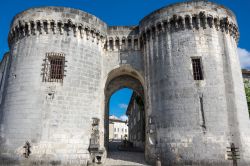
[[124, 158]]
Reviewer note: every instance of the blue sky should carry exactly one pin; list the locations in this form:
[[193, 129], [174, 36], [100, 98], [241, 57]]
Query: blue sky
[[123, 12], [119, 102]]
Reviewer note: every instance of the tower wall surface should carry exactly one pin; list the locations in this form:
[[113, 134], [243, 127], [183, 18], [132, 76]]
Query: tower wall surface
[[194, 121], [55, 117], [4, 66], [188, 122]]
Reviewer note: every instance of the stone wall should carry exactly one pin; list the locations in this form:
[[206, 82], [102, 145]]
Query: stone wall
[[136, 122], [193, 122], [188, 122], [4, 65], [55, 117]]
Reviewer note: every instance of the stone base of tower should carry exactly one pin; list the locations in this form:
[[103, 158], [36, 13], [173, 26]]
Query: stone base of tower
[[6, 160], [192, 159], [166, 162], [41, 162], [202, 163]]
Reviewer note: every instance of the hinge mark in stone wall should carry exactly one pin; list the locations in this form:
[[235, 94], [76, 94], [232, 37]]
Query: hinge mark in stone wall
[[27, 150], [203, 125], [233, 154]]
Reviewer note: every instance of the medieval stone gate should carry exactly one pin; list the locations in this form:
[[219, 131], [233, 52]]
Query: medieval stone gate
[[64, 64], [118, 79]]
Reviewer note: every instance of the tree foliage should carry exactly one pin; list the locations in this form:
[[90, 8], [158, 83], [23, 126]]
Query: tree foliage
[[247, 90]]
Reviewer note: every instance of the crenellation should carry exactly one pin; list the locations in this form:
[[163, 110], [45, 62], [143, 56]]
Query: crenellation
[[210, 20], [122, 38], [173, 24], [159, 28], [216, 23], [45, 27], [196, 21], [203, 19], [181, 23]]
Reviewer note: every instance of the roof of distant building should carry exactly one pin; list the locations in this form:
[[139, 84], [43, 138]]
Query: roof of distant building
[[245, 71], [113, 118], [117, 120]]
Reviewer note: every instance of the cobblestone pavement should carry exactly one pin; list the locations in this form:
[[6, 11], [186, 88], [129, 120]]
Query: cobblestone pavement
[[124, 158]]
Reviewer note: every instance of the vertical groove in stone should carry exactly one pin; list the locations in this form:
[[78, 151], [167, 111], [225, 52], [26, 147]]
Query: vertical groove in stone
[[202, 113]]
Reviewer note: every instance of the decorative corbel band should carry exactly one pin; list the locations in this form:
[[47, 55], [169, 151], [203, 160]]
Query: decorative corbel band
[[122, 43], [195, 21], [40, 27]]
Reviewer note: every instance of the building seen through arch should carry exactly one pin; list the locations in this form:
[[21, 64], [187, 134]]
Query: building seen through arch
[[136, 121], [118, 129]]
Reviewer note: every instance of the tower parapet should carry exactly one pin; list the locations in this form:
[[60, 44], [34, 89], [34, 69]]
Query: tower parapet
[[181, 16], [75, 23], [122, 38]]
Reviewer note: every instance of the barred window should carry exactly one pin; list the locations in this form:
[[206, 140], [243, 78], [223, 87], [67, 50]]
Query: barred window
[[54, 67], [197, 69]]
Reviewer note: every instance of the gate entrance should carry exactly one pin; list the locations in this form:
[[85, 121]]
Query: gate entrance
[[133, 143]]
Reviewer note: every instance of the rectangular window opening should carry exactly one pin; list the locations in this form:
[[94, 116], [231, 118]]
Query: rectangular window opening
[[136, 44], [54, 67], [111, 44], [129, 43], [197, 69], [117, 44], [123, 44]]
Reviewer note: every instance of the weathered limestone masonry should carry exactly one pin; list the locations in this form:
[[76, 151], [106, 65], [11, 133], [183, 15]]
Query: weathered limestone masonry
[[188, 122]]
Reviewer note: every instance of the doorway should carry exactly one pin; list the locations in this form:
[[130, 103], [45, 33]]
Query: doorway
[[125, 132]]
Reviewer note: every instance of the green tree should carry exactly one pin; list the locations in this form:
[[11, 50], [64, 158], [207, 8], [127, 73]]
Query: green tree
[[247, 90]]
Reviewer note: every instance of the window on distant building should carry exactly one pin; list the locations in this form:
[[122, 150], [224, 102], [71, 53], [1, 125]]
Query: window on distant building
[[123, 43], [111, 44], [129, 43], [54, 67], [136, 44], [197, 68], [138, 115]]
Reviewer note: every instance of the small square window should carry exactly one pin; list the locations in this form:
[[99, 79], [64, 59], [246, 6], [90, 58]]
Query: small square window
[[197, 69], [54, 67]]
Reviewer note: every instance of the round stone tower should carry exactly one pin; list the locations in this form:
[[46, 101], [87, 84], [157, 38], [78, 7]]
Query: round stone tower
[[197, 106], [52, 90]]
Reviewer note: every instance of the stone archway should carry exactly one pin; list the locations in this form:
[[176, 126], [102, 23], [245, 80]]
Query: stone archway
[[118, 79]]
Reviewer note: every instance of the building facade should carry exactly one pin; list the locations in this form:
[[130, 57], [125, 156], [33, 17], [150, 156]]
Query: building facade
[[118, 129], [246, 74], [136, 121], [64, 64]]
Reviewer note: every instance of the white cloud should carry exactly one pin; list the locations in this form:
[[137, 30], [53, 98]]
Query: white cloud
[[244, 58], [113, 117], [124, 117], [123, 106]]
